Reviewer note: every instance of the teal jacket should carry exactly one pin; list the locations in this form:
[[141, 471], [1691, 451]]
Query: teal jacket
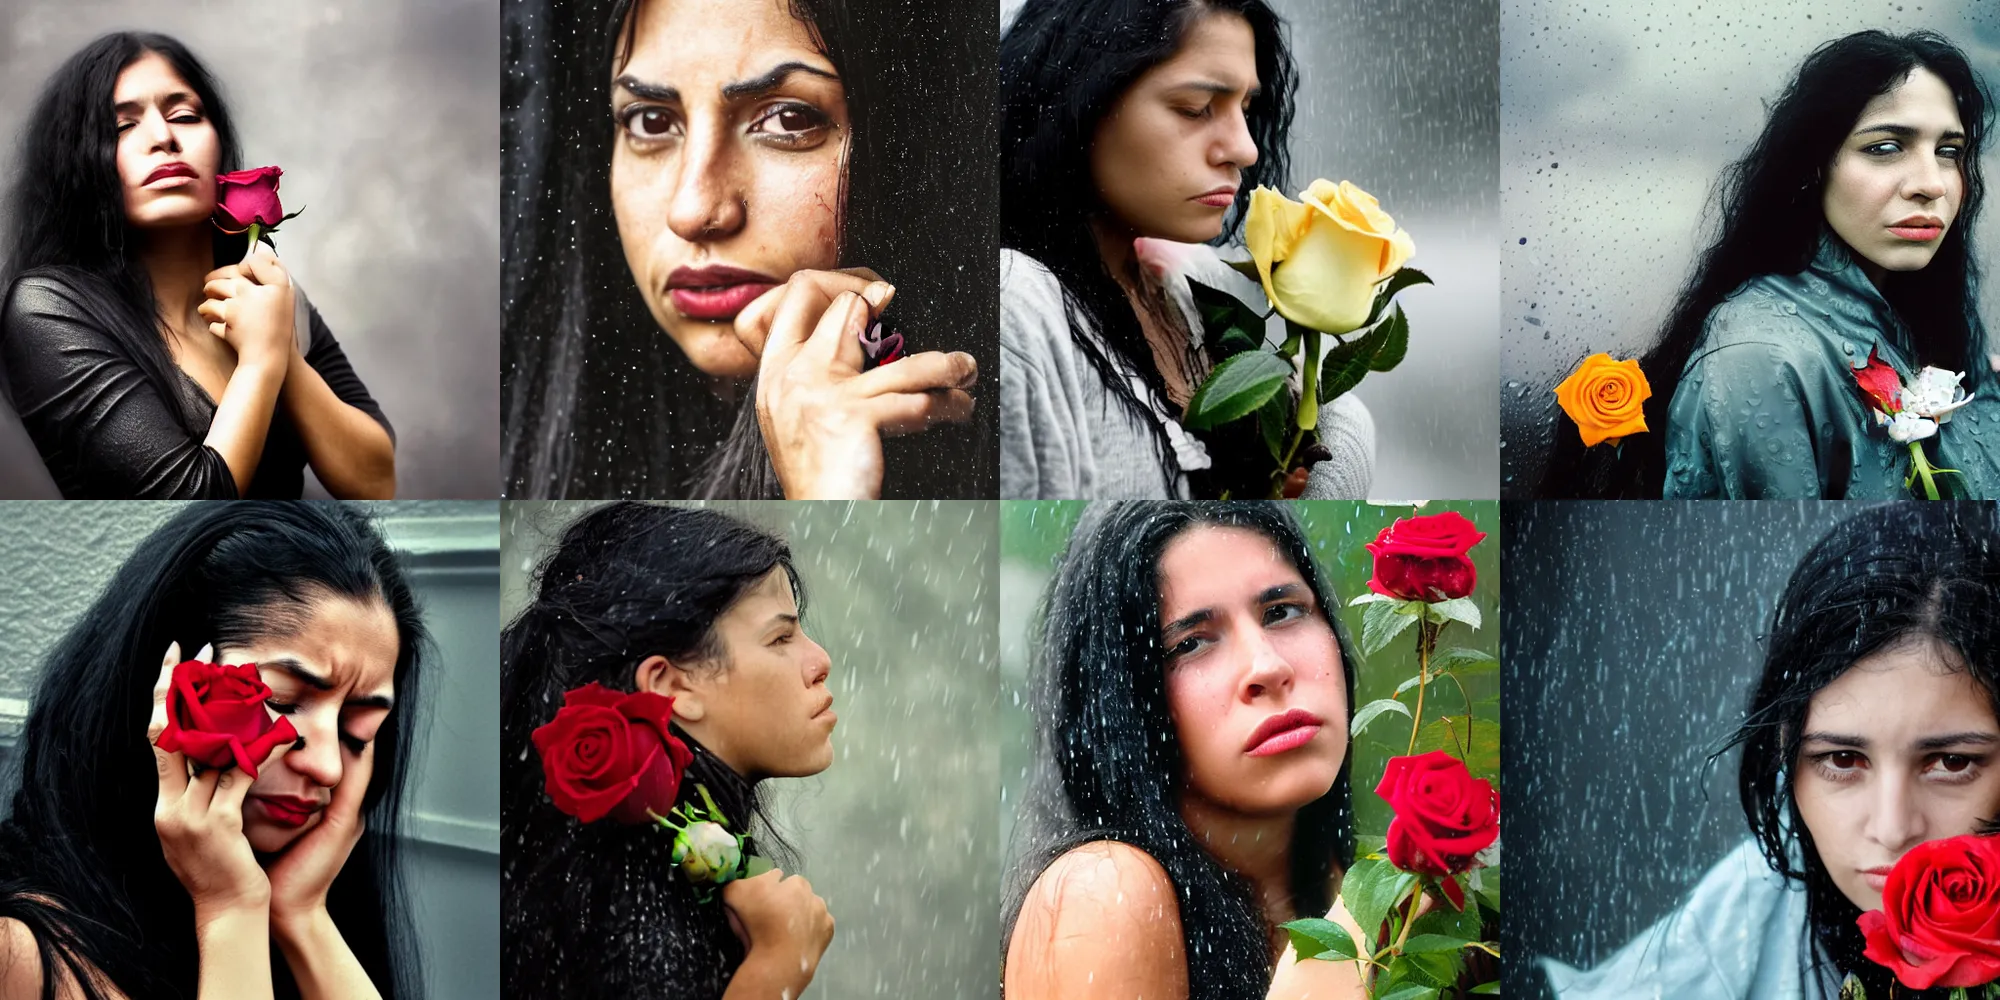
[[1768, 409]]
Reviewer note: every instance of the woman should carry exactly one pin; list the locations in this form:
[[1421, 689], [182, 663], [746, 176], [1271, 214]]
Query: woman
[[1165, 839], [123, 876], [1846, 229], [704, 609], [695, 179], [1123, 119], [147, 357], [1870, 731]]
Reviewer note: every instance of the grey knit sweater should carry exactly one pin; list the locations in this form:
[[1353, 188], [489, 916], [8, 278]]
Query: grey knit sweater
[[1064, 435]]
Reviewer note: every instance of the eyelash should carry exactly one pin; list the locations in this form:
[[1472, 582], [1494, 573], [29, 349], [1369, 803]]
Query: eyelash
[[193, 118], [1823, 763], [1292, 611], [1891, 148], [286, 708], [817, 122]]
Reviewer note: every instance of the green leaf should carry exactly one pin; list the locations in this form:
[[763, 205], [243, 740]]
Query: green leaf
[[1274, 422], [1248, 269], [1228, 323], [1236, 388], [1468, 662], [1322, 939], [1408, 683], [1368, 712], [1369, 888], [1344, 367], [1395, 342], [1380, 625], [1446, 921], [1421, 944], [1397, 282], [1484, 989], [1458, 609], [1370, 597], [1432, 969], [1411, 991]]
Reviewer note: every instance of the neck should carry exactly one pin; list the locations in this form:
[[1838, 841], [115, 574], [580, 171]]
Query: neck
[[1258, 848], [1114, 247], [177, 262]]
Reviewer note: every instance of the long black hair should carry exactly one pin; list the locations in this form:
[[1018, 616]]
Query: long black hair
[[1112, 763], [1892, 574], [598, 909], [68, 203], [80, 861], [596, 400], [1771, 222], [1063, 64]]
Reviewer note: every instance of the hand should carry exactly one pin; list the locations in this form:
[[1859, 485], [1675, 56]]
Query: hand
[[753, 324], [200, 820], [304, 871], [782, 925], [250, 306], [822, 417]]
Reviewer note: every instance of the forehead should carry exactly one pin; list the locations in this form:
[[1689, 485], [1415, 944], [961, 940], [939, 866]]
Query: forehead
[[765, 599], [1218, 48], [150, 76], [1900, 694], [352, 642], [685, 41], [1209, 565], [1923, 101]]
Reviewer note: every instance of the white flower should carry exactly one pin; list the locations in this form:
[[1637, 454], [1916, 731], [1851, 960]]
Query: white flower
[[707, 852], [1934, 393], [1906, 426]]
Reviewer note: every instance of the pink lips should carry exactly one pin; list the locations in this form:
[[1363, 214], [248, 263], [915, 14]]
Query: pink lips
[[1918, 228], [1221, 197], [1285, 731], [167, 170], [288, 810], [1876, 877], [716, 293]]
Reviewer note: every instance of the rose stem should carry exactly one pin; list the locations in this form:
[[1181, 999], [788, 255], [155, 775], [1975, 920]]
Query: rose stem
[[1426, 638]]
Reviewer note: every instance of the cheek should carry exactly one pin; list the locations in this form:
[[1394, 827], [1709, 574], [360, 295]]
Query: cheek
[[795, 209], [1198, 705], [640, 213]]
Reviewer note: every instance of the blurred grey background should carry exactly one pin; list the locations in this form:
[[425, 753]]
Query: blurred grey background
[[1617, 120], [56, 557], [899, 836], [385, 115], [1633, 636], [1403, 99]]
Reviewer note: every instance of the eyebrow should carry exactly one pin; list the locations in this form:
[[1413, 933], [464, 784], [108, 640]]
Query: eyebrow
[[1938, 742], [130, 107], [754, 87], [1904, 131], [316, 682], [1265, 596], [1215, 87]]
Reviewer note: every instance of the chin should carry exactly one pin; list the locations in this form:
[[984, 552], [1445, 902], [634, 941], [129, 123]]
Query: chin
[[270, 838], [712, 348]]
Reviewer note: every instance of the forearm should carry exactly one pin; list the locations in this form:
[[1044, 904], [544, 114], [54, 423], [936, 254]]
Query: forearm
[[320, 960], [235, 950], [761, 977], [243, 417], [350, 452]]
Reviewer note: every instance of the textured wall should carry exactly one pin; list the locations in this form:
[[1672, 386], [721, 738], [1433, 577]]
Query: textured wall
[[386, 118]]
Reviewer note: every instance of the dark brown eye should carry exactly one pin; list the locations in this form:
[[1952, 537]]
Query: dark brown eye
[[648, 123]]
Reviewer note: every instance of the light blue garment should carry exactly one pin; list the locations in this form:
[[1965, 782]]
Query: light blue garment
[[1741, 935], [1767, 406]]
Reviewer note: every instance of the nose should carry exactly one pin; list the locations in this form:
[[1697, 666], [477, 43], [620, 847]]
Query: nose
[[1269, 672], [1894, 821], [1235, 147], [1926, 180], [819, 665], [317, 753], [159, 133], [707, 202]]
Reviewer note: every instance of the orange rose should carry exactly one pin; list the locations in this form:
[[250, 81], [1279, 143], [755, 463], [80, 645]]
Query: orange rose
[[1606, 398]]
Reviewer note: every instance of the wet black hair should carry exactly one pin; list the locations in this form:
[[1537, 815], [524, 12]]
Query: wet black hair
[[1890, 575], [596, 400], [80, 861], [1063, 64], [599, 909], [1113, 768], [68, 204], [1770, 222]]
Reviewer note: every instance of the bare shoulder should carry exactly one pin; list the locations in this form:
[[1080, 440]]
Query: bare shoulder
[[21, 966], [1100, 921]]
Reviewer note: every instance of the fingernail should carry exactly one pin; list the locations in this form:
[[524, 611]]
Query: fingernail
[[877, 293]]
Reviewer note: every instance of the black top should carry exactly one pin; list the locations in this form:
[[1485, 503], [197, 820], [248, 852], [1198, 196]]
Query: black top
[[105, 432]]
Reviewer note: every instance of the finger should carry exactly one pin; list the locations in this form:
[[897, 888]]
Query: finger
[[815, 289], [207, 651], [158, 723], [753, 324], [218, 330], [222, 288], [201, 790], [921, 373], [843, 320], [910, 412], [797, 310], [223, 273], [172, 766], [265, 270], [231, 786], [213, 310]]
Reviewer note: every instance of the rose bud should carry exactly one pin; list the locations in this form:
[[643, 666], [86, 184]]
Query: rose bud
[[707, 852], [1423, 558], [216, 716], [1320, 258], [246, 196]]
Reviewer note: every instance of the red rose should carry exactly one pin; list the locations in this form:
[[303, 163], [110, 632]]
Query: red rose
[[1423, 558], [1443, 814], [1880, 384], [246, 196], [1939, 924], [611, 754], [216, 716]]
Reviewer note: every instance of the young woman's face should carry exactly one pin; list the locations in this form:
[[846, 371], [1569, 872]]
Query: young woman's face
[[1169, 155], [1896, 751], [1254, 678], [335, 679], [765, 710], [168, 153], [1896, 184], [727, 165]]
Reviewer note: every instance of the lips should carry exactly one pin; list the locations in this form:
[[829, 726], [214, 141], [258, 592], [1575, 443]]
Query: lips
[[1918, 228], [1285, 731], [1221, 197], [1876, 877], [826, 712], [288, 810], [166, 170], [716, 293]]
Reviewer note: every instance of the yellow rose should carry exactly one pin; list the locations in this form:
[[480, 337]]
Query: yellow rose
[[1606, 398], [1321, 260]]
